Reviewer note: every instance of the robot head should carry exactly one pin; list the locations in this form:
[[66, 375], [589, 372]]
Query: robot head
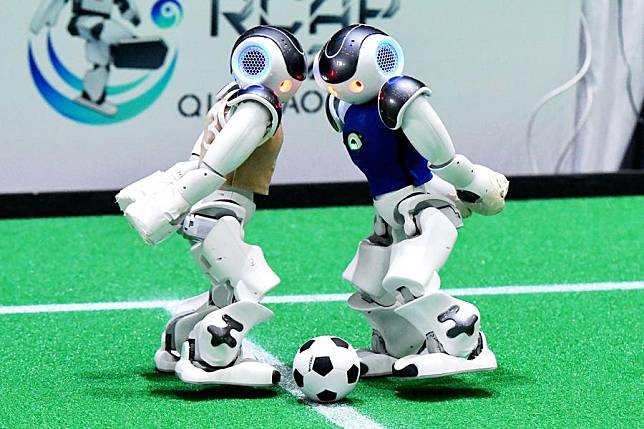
[[356, 62], [269, 56]]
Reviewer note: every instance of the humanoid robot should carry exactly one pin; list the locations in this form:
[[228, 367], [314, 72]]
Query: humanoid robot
[[421, 189], [108, 43], [209, 198]]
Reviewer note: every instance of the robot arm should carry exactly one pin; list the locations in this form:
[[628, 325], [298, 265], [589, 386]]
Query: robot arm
[[404, 105], [129, 11], [46, 14], [155, 205]]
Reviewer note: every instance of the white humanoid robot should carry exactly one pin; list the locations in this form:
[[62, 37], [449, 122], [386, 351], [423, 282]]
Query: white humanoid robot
[[421, 189], [209, 199], [108, 43]]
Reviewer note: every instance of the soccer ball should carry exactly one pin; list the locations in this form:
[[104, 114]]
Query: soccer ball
[[326, 368]]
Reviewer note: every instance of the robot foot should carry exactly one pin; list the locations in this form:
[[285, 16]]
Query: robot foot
[[433, 365], [374, 364], [105, 108], [244, 372], [165, 361]]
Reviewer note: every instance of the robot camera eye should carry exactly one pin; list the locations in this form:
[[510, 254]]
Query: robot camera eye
[[286, 85], [356, 86]]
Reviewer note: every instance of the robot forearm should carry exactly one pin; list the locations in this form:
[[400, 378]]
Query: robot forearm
[[155, 205], [482, 189]]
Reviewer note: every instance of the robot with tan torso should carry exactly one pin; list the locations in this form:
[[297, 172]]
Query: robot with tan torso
[[209, 198]]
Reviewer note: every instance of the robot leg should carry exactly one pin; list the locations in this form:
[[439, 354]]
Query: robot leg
[[228, 259], [392, 335], [178, 328], [416, 260], [100, 33], [450, 327], [212, 353], [454, 343]]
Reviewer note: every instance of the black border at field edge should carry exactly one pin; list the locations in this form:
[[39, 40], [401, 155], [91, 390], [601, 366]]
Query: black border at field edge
[[325, 195]]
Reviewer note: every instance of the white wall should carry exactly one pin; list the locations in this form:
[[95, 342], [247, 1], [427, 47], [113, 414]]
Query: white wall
[[487, 63]]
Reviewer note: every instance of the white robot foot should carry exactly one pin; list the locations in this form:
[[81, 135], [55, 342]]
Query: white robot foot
[[243, 372], [434, 365], [105, 108], [165, 359], [374, 364]]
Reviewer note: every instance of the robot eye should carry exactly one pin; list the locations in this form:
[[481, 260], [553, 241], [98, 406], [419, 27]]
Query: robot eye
[[387, 58], [254, 62], [356, 86], [286, 85]]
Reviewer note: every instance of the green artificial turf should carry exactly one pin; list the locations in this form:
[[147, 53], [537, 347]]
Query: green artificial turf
[[90, 259], [95, 370], [565, 359]]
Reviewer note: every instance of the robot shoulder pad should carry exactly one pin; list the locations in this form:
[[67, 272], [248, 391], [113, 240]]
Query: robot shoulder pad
[[396, 96], [226, 91], [264, 96], [335, 110]]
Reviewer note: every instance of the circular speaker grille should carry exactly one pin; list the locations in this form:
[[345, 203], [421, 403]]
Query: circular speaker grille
[[387, 58], [253, 62]]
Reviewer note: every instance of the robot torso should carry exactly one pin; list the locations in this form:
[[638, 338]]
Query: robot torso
[[93, 7], [385, 156]]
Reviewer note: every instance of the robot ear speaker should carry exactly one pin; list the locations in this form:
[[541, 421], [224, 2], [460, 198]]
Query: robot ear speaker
[[253, 61]]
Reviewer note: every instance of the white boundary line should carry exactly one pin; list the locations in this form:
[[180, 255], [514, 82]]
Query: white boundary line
[[332, 297], [341, 415]]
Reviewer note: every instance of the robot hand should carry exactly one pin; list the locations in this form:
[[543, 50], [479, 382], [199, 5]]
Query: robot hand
[[46, 15], [130, 12], [486, 193], [156, 205]]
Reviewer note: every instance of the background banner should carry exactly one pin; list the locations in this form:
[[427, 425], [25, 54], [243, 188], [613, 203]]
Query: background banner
[[486, 62]]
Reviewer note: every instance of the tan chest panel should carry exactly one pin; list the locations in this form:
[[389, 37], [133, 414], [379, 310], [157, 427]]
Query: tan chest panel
[[255, 173]]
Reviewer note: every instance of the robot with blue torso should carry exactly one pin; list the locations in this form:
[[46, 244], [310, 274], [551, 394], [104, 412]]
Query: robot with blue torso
[[421, 189], [208, 199], [107, 43]]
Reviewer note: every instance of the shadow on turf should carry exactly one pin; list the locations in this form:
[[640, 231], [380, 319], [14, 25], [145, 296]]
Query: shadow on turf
[[451, 388], [439, 393], [197, 393], [210, 393]]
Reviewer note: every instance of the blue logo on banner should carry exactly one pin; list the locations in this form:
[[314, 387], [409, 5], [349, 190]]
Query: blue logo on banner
[[165, 14]]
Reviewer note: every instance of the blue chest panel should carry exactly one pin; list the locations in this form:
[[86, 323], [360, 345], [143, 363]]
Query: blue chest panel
[[386, 157]]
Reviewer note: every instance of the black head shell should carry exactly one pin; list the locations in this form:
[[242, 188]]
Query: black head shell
[[339, 56]]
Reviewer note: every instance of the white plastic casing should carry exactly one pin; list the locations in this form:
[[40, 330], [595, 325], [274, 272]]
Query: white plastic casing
[[259, 61], [368, 72]]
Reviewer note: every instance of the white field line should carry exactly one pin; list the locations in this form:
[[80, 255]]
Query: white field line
[[333, 297], [341, 415]]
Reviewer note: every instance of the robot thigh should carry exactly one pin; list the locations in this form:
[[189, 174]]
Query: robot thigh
[[415, 261]]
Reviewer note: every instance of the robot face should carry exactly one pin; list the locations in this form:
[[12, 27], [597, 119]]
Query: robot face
[[269, 56], [355, 63]]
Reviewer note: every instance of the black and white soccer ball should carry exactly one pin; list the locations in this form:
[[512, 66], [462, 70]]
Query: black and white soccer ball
[[326, 368]]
